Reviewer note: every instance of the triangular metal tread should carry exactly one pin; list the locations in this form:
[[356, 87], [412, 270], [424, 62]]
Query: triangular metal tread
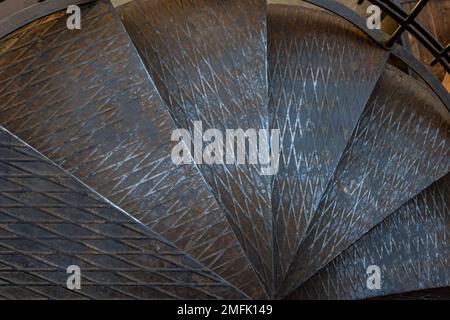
[[50, 221], [400, 146], [86, 176], [410, 247], [84, 99], [322, 71], [208, 60]]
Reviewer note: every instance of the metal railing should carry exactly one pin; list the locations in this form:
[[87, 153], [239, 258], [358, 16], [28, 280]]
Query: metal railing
[[407, 22]]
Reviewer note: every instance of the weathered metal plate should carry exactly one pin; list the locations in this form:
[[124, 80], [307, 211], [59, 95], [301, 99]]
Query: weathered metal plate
[[50, 221], [410, 247], [208, 60], [400, 146], [322, 72], [85, 100]]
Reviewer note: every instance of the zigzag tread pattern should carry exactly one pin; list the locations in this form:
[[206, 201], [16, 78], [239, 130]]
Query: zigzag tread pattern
[[84, 99], [50, 221], [400, 146], [410, 247], [208, 60], [322, 72]]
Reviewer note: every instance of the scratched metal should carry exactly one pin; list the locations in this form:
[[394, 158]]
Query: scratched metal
[[410, 247], [84, 99], [49, 221], [400, 146], [322, 72], [208, 60]]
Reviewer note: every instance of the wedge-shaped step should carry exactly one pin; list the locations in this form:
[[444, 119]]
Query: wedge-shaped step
[[400, 146], [208, 60], [84, 99], [410, 247], [50, 221], [322, 72]]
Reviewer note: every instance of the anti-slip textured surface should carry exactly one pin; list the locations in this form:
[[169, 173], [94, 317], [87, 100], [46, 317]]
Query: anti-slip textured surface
[[84, 99], [208, 60], [50, 221], [400, 146], [359, 140], [322, 72], [410, 247]]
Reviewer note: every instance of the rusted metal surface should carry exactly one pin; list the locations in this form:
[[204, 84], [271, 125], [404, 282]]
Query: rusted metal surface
[[17, 13], [84, 99], [322, 72], [50, 221], [410, 247], [400, 146], [208, 60]]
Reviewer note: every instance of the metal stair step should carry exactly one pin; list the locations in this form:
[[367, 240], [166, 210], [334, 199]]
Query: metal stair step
[[208, 61], [84, 99], [400, 146], [50, 221], [322, 71], [409, 247]]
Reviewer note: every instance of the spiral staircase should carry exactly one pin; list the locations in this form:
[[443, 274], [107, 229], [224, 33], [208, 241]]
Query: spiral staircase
[[86, 176]]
